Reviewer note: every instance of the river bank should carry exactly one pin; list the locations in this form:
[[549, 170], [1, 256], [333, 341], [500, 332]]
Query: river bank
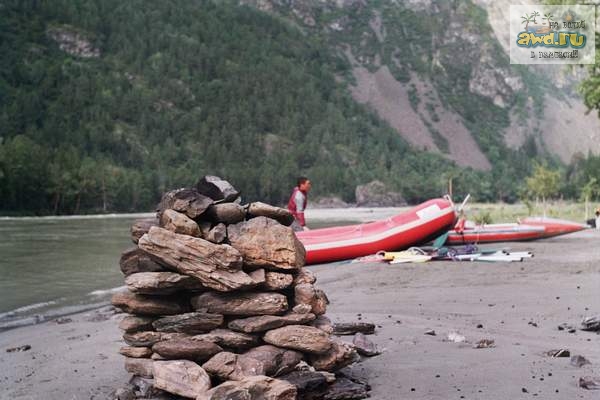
[[518, 305]]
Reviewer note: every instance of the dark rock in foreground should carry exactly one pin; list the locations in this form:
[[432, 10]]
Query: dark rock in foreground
[[350, 328]]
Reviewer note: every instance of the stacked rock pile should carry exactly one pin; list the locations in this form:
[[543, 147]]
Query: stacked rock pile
[[220, 306]]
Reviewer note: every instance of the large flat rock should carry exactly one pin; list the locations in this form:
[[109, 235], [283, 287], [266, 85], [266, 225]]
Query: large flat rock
[[263, 323], [147, 305], [182, 377], [136, 323], [229, 339], [265, 243], [216, 266], [187, 348], [161, 283], [307, 339], [241, 303], [192, 323], [135, 352]]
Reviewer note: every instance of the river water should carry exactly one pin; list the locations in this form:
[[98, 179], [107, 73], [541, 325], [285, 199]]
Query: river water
[[55, 266]]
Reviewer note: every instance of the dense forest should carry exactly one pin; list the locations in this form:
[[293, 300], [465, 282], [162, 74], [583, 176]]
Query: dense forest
[[169, 91]]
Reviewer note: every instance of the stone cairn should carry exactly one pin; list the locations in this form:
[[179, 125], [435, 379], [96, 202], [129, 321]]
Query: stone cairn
[[220, 307]]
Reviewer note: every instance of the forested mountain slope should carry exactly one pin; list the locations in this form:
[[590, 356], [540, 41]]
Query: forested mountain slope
[[104, 105]]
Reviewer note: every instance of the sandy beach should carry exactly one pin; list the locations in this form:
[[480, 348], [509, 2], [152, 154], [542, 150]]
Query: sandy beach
[[518, 305]]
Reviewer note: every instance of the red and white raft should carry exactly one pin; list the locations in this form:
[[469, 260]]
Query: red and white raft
[[494, 233], [418, 225], [531, 228], [555, 227]]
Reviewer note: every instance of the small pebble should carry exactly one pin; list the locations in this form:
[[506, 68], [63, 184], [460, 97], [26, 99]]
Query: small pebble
[[479, 326], [524, 390]]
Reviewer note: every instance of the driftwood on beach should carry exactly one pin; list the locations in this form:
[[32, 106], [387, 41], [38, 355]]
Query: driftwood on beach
[[220, 304]]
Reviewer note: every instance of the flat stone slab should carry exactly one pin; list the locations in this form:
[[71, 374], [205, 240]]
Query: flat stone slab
[[135, 352], [304, 338], [267, 322], [183, 378], [135, 323], [241, 303], [161, 283], [186, 349], [146, 305], [192, 323], [351, 328], [217, 266], [230, 339]]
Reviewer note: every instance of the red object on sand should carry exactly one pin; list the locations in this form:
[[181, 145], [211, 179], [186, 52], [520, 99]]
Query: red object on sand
[[418, 225], [555, 227], [495, 233], [531, 228]]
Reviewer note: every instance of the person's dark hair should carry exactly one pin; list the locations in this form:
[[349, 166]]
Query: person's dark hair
[[301, 180]]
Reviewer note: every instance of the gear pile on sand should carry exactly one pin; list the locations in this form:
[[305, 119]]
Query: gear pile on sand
[[220, 306]]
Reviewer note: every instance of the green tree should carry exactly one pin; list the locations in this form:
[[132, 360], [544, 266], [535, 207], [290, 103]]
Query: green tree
[[589, 191], [543, 183]]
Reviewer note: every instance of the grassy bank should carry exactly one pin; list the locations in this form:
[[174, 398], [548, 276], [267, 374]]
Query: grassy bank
[[500, 212]]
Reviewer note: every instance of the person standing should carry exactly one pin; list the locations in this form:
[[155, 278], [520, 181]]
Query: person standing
[[298, 201]]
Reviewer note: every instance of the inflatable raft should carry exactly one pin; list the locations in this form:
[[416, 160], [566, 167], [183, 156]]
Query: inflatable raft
[[531, 228], [495, 233], [418, 225], [555, 227]]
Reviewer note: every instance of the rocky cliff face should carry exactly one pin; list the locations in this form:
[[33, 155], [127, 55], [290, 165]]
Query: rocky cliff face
[[434, 69], [564, 114]]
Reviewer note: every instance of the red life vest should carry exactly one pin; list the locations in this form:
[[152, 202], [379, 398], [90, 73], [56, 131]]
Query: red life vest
[[292, 206]]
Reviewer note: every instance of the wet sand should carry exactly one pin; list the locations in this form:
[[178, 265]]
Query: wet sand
[[518, 305]]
